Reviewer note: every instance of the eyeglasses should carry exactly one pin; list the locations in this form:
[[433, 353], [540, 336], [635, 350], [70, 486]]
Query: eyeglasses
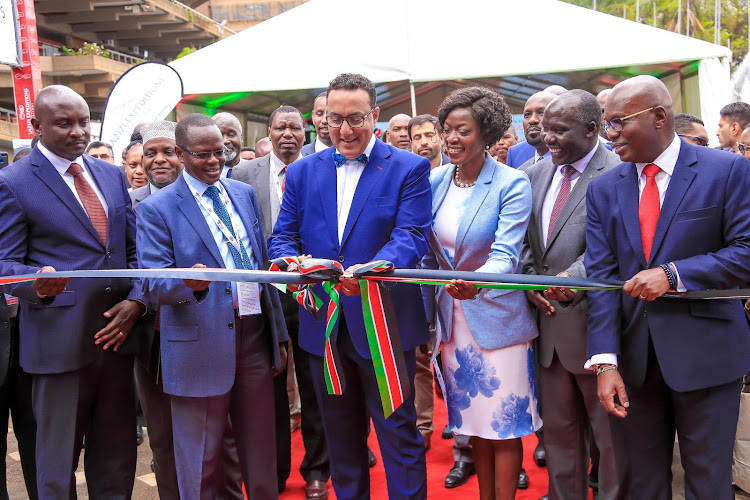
[[617, 123], [743, 147], [205, 155], [700, 141], [354, 121]]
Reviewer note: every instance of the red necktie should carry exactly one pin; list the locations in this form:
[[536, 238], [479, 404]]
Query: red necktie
[[562, 197], [649, 208], [283, 180], [90, 201]]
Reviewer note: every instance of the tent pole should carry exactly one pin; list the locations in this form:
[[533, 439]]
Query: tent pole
[[413, 99]]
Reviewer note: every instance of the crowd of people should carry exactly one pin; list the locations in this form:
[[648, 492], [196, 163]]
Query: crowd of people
[[613, 186]]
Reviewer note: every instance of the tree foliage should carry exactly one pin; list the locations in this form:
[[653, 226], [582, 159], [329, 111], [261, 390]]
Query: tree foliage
[[697, 18]]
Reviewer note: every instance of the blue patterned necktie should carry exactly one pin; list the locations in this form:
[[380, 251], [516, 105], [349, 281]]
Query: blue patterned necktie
[[339, 159], [229, 173], [241, 257]]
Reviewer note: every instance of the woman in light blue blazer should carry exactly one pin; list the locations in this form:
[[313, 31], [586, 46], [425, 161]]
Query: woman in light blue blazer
[[480, 213]]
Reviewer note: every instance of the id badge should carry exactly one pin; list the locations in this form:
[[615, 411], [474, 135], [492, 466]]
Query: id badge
[[248, 296]]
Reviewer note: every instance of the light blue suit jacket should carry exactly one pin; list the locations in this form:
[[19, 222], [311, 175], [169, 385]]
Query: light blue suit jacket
[[197, 329], [490, 237]]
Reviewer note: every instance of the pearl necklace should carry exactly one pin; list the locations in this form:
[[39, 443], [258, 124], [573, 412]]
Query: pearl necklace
[[462, 184]]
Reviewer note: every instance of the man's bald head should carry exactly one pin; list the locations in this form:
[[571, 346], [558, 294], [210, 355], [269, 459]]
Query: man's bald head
[[646, 134], [52, 95], [61, 120], [263, 147], [556, 89], [398, 131], [533, 112], [602, 98], [231, 133]]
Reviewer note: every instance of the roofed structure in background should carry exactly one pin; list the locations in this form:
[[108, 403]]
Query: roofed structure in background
[[108, 37], [475, 42]]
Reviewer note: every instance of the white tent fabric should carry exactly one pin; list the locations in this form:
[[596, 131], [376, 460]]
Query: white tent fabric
[[439, 40]]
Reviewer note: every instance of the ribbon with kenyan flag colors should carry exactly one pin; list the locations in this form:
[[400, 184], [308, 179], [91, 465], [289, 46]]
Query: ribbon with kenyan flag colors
[[380, 321], [380, 324]]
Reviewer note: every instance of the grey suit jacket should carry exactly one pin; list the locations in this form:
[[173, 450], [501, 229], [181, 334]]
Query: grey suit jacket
[[565, 331], [139, 194], [257, 173]]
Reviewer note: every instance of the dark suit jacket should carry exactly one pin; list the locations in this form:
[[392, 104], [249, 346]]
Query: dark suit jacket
[[565, 331], [519, 154], [308, 149], [704, 228], [198, 348], [44, 224], [257, 173], [389, 219], [5, 340]]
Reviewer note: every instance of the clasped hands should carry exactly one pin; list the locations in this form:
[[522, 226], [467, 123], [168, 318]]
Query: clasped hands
[[559, 293], [122, 316]]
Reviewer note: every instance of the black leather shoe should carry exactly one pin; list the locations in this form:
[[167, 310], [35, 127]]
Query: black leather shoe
[[138, 435], [523, 480], [459, 474], [371, 458], [540, 457], [447, 433]]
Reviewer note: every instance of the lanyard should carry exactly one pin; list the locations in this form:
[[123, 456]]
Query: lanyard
[[231, 240]]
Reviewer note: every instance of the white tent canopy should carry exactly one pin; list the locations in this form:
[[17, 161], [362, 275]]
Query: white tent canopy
[[440, 40]]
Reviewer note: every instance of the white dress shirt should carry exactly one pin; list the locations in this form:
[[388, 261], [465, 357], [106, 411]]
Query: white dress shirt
[[319, 146], [221, 242], [666, 161], [556, 184], [347, 178], [62, 165]]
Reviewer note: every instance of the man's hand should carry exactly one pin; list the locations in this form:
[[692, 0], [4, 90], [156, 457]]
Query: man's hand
[[460, 290], [49, 287], [647, 285], [540, 302], [123, 316], [608, 384], [292, 287], [283, 358], [560, 293], [197, 285], [350, 286]]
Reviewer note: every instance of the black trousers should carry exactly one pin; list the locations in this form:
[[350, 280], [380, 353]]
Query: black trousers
[[97, 400], [315, 465], [15, 399], [705, 421]]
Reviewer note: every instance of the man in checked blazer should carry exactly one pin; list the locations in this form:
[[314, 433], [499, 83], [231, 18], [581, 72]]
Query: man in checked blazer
[[554, 246]]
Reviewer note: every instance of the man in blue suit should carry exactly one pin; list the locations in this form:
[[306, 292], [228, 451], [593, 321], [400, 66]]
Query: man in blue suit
[[672, 216], [219, 341], [533, 148], [62, 210], [374, 205]]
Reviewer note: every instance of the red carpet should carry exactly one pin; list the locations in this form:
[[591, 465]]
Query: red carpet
[[439, 462]]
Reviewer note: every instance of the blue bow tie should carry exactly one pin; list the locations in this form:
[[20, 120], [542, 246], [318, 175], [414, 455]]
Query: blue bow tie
[[339, 159]]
